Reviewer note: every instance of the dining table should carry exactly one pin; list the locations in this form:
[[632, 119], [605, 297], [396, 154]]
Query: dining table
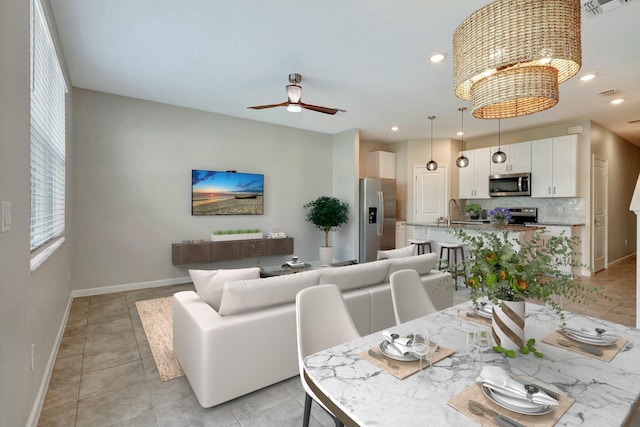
[[596, 391]]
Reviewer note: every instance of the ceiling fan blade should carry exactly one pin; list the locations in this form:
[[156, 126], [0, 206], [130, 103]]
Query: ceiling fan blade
[[261, 107], [319, 109]]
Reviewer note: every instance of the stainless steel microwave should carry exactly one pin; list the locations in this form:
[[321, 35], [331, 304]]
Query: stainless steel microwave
[[513, 184]]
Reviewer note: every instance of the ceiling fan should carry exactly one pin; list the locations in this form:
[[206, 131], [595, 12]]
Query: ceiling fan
[[293, 102]]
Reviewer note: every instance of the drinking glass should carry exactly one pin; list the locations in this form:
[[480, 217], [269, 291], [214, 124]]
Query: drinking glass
[[432, 347], [472, 346], [483, 342], [420, 347]]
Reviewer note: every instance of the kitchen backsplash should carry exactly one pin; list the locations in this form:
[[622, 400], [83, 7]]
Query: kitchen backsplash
[[559, 210]]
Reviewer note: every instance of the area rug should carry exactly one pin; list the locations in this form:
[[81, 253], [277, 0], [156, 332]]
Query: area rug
[[157, 320]]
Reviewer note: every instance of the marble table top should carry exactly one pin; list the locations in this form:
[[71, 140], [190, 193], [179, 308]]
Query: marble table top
[[605, 393]]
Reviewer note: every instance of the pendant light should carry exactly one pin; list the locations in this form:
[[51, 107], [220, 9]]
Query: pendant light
[[431, 164], [462, 161], [499, 156]]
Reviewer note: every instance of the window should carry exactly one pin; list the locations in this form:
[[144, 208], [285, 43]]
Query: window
[[48, 91]]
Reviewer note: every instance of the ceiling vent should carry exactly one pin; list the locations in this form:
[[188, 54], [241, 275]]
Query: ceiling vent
[[609, 92], [634, 122], [595, 7]]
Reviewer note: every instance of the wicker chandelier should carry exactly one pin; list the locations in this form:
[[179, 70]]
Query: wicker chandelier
[[510, 56]]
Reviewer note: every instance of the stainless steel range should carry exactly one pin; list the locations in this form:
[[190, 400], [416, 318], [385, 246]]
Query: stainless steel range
[[521, 216]]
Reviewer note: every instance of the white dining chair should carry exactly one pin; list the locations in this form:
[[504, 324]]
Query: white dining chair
[[322, 321], [410, 298]]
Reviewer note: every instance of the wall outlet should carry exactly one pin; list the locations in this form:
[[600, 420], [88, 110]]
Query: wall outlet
[[626, 242], [33, 356]]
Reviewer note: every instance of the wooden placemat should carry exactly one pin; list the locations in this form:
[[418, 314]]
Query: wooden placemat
[[608, 353], [474, 392], [400, 369], [472, 316]]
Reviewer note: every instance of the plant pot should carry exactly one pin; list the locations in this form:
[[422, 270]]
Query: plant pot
[[326, 255], [499, 223], [508, 324]]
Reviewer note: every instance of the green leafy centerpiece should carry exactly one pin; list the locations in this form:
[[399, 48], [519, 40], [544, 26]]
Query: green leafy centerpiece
[[508, 272]]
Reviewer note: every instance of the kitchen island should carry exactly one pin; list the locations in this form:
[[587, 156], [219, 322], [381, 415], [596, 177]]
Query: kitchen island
[[439, 233]]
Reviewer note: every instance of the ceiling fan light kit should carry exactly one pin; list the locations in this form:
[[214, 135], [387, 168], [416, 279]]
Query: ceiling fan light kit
[[510, 56], [293, 102]]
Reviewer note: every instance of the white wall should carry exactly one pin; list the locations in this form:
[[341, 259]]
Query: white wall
[[32, 305], [133, 184], [346, 147]]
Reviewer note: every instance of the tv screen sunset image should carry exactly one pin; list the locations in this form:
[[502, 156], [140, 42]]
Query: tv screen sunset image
[[226, 193]]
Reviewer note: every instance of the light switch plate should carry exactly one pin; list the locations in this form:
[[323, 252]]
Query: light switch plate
[[5, 213]]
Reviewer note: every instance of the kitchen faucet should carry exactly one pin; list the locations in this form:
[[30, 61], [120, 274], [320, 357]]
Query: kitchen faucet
[[451, 210]]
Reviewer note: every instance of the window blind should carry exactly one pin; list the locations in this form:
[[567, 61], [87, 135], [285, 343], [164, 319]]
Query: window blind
[[48, 91]]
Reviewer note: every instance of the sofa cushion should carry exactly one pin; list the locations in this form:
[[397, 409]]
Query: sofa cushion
[[423, 264], [355, 276], [398, 253], [248, 295], [209, 283]]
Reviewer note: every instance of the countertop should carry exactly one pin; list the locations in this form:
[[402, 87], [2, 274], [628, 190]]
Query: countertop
[[560, 224], [476, 226]]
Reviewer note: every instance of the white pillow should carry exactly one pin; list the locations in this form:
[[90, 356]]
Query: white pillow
[[423, 264], [355, 276], [209, 283], [249, 295], [398, 253]]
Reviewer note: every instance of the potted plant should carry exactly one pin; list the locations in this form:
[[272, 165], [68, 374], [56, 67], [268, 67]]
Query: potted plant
[[245, 234], [508, 272], [500, 216], [474, 210], [327, 213]]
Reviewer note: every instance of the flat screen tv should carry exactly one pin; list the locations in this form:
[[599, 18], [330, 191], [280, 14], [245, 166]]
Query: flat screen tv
[[226, 193]]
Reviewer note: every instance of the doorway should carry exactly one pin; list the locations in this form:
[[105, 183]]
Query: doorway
[[599, 212]]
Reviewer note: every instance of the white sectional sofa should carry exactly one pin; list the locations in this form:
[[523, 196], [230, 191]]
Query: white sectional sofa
[[248, 341]]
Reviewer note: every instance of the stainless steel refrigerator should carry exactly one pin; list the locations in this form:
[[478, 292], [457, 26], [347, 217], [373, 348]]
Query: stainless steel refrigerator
[[377, 216]]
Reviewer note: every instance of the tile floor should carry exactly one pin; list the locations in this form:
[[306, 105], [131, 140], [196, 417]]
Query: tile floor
[[104, 374]]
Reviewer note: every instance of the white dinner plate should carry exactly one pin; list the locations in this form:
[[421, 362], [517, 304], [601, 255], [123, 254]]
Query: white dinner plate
[[514, 404], [483, 313], [600, 342], [391, 353]]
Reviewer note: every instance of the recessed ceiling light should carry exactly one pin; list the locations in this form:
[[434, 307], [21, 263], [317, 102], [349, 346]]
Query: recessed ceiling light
[[460, 133], [617, 101], [395, 128], [438, 57], [587, 77]]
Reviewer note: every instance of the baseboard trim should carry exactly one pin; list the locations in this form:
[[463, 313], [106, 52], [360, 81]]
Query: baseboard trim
[[44, 385], [129, 287], [619, 260]]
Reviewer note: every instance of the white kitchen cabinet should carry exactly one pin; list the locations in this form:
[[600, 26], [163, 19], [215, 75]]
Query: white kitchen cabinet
[[518, 159], [382, 164], [554, 167], [473, 181]]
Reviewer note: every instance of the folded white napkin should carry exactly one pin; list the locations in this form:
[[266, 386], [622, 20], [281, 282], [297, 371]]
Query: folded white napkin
[[399, 345], [499, 380]]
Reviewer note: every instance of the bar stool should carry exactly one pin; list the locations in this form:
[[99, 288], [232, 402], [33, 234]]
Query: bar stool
[[456, 268], [421, 245]]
